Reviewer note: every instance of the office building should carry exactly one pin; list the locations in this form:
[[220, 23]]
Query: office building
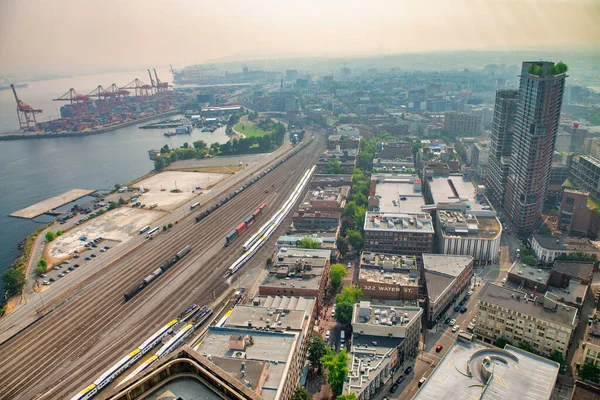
[[533, 139], [574, 215], [585, 172], [462, 124], [547, 248], [538, 321], [409, 234], [447, 279], [389, 276], [384, 337], [399, 193]]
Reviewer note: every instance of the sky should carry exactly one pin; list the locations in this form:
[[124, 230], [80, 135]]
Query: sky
[[66, 36]]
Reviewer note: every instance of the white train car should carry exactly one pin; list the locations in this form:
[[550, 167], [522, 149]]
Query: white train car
[[86, 393], [157, 337], [117, 369], [138, 370], [175, 340]]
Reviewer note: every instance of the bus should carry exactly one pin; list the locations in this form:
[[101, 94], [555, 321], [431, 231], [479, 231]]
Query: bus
[[193, 206], [145, 229], [153, 231]]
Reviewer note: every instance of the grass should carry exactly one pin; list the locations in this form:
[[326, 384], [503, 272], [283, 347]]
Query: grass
[[593, 202], [249, 129]]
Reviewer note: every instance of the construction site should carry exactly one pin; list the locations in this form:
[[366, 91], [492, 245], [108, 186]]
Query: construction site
[[104, 108]]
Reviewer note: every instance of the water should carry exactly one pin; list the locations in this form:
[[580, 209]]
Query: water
[[33, 170]]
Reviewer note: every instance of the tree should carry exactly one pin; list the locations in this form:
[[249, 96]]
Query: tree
[[360, 199], [301, 394], [159, 163], [112, 205], [117, 186], [199, 144], [50, 236], [350, 396], [349, 294], [342, 245], [355, 239], [59, 232], [14, 280], [343, 312], [529, 260], [558, 357], [336, 367], [334, 166], [121, 200], [308, 243], [350, 209], [316, 349], [589, 372], [501, 342], [40, 270], [527, 347], [357, 176], [42, 263], [336, 273]]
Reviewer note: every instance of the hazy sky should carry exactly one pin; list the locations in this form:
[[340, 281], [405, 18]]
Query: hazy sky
[[71, 35]]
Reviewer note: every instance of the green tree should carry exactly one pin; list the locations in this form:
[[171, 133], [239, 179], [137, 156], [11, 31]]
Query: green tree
[[589, 372], [558, 357], [342, 245], [121, 201], [173, 156], [308, 243], [349, 294], [501, 342], [199, 144], [350, 396], [359, 198], [343, 313], [316, 349], [357, 176], [50, 236], [350, 209], [112, 205], [529, 260], [336, 369], [334, 166], [117, 186], [42, 263], [526, 252], [355, 239], [40, 270], [527, 347], [59, 232], [14, 280], [301, 394], [336, 273], [159, 163]]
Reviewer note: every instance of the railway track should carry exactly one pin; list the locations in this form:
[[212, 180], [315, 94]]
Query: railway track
[[93, 327]]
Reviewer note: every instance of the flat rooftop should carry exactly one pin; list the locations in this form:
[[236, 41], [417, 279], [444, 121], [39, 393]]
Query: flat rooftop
[[256, 317], [437, 284], [457, 224], [400, 222], [513, 299], [513, 374], [51, 203], [399, 193], [274, 348], [389, 268], [379, 314], [574, 293], [564, 243], [313, 256], [577, 270], [530, 272], [466, 193], [446, 264], [288, 278], [368, 357]]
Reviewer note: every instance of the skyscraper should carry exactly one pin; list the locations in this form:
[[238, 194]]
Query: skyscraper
[[530, 132]]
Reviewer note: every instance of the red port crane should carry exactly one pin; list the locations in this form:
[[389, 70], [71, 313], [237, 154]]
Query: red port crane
[[140, 88], [116, 93], [154, 85], [25, 113], [160, 86], [78, 101], [100, 93]]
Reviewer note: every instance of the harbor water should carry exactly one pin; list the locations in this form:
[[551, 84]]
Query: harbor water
[[33, 170]]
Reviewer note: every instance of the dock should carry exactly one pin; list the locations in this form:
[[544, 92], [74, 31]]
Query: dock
[[50, 204]]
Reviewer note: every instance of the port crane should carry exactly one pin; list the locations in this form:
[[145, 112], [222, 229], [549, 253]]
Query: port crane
[[141, 89], [78, 101], [25, 112], [101, 94]]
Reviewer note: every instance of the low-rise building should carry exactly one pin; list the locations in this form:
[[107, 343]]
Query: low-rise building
[[446, 278], [400, 193], [384, 336], [326, 181], [472, 370], [574, 215], [297, 272], [517, 317], [343, 142], [547, 248], [591, 352], [318, 221], [401, 233], [389, 276], [325, 199], [345, 157]]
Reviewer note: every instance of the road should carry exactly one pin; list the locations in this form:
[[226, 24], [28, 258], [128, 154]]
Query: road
[[27, 312], [88, 330]]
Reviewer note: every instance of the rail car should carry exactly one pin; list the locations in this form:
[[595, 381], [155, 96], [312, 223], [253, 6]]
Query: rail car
[[156, 273], [145, 229], [155, 339], [117, 369], [188, 312], [86, 393], [203, 315], [231, 236], [258, 239], [172, 344]]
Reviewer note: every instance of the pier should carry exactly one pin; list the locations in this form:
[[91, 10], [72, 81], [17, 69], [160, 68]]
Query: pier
[[48, 205]]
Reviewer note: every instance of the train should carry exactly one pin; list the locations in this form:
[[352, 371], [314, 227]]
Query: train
[[156, 273], [251, 182], [244, 225], [258, 239], [123, 364]]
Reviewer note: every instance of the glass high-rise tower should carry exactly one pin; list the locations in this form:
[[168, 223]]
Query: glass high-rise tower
[[523, 139]]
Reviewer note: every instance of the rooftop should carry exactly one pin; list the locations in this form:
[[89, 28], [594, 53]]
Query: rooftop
[[530, 272], [507, 366], [437, 284], [574, 293], [368, 357], [446, 264], [377, 314], [401, 222], [574, 269], [314, 256], [389, 268], [257, 317], [454, 189], [544, 308], [564, 243], [398, 193], [274, 348], [458, 224]]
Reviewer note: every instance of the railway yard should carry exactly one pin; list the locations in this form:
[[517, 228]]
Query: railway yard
[[92, 327]]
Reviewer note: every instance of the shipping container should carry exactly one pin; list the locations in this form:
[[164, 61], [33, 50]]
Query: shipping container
[[240, 228], [249, 221], [231, 237]]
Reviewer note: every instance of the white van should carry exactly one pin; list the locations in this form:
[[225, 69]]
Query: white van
[[342, 337]]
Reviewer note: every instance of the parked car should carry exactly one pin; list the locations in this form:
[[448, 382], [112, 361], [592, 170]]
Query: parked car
[[452, 322], [42, 275], [455, 328], [439, 348], [401, 379], [71, 269], [51, 280], [407, 370], [61, 274], [92, 255], [463, 310], [76, 256], [447, 321], [422, 381], [56, 268], [394, 388], [87, 258], [46, 283], [327, 335], [75, 265]]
